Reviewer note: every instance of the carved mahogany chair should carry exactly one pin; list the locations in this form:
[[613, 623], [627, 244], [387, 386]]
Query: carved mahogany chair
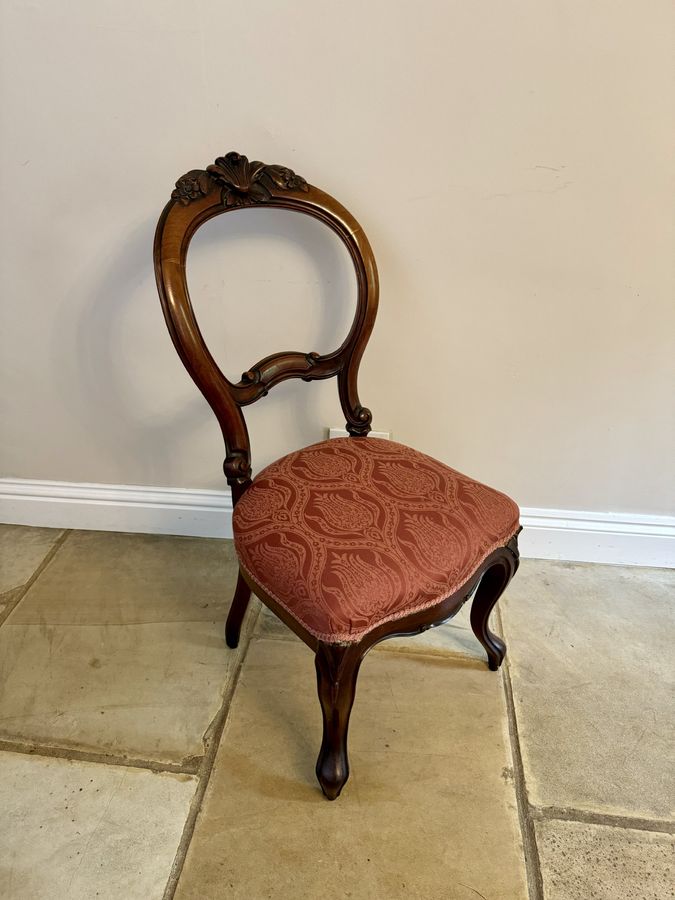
[[348, 541]]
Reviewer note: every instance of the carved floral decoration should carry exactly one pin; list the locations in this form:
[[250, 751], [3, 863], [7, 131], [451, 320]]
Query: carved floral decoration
[[242, 182]]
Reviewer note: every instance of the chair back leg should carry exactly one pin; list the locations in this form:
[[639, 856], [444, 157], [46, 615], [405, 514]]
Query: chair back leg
[[242, 595]]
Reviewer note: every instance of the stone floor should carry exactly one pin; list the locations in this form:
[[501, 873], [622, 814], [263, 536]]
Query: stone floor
[[140, 758]]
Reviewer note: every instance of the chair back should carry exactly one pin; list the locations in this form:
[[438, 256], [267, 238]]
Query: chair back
[[232, 183]]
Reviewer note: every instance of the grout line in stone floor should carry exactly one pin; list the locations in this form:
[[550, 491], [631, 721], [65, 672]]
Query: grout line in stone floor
[[23, 590], [189, 766], [535, 881], [529, 814], [212, 738], [588, 817]]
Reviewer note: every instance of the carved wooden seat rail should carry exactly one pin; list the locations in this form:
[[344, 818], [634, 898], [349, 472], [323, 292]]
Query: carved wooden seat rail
[[351, 541]]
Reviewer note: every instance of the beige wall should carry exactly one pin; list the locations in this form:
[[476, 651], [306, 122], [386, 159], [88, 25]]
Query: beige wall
[[509, 161]]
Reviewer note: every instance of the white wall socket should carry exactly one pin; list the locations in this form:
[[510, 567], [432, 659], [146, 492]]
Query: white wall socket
[[342, 432]]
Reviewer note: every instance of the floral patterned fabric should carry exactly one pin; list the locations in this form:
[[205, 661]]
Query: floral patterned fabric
[[350, 533]]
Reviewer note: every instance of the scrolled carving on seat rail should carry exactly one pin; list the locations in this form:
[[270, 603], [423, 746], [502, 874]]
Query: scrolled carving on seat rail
[[233, 182]]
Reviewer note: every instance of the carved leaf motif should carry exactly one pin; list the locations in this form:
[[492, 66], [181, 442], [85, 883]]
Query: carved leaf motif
[[242, 181], [286, 178], [191, 186]]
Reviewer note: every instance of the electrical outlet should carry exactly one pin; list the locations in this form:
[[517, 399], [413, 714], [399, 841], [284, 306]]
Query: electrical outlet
[[342, 432]]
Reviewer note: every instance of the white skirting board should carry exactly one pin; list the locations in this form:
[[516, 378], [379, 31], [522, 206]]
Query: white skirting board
[[116, 507], [614, 538]]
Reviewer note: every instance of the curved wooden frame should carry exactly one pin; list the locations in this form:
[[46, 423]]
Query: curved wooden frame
[[233, 183]]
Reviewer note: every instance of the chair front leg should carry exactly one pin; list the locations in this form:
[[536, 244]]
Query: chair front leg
[[492, 586], [337, 668], [235, 617]]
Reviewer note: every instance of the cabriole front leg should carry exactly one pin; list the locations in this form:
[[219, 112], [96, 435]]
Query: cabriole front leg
[[337, 668], [492, 586]]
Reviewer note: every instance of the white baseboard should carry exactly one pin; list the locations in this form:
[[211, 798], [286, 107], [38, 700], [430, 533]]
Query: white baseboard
[[116, 507], [615, 538], [624, 539]]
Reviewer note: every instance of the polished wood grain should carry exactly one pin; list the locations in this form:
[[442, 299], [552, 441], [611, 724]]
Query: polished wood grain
[[233, 182]]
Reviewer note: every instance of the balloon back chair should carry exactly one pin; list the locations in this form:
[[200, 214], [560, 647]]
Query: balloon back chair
[[349, 541]]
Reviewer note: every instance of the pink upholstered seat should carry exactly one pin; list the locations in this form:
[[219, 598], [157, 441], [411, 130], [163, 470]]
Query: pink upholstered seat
[[350, 533]]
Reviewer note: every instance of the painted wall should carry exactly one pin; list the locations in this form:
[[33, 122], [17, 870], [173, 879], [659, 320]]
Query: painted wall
[[511, 163]]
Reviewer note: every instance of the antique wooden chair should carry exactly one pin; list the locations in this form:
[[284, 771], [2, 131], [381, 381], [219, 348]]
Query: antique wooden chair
[[349, 541]]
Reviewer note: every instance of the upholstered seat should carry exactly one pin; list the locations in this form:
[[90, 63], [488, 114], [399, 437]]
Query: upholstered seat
[[350, 533]]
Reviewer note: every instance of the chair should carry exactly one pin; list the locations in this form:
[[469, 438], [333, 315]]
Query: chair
[[349, 541]]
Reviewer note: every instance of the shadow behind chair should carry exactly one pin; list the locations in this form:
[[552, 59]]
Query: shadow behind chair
[[348, 541]]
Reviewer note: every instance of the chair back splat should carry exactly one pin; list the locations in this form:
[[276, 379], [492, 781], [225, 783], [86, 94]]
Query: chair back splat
[[231, 183]]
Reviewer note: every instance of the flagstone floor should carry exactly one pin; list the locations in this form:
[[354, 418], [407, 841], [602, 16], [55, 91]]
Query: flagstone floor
[[140, 758]]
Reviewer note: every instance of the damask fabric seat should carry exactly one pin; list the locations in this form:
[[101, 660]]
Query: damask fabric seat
[[349, 533]]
